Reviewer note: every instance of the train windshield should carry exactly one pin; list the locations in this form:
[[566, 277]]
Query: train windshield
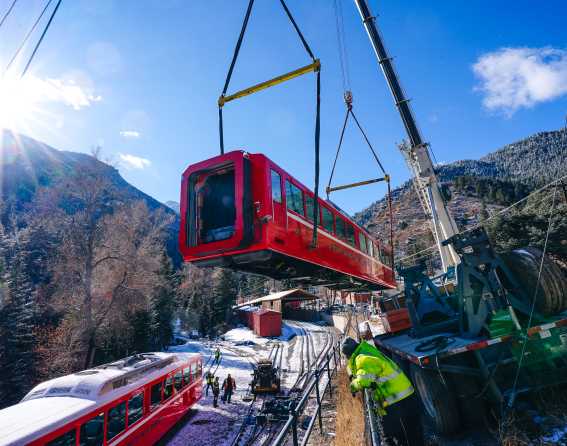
[[216, 210]]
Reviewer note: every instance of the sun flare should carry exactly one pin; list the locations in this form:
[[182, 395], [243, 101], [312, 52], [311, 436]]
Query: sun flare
[[30, 102]]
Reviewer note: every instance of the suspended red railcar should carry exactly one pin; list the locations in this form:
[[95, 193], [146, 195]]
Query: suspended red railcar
[[242, 211]]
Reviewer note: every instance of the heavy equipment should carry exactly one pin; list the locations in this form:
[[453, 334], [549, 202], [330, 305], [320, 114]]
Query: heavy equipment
[[499, 330], [265, 378]]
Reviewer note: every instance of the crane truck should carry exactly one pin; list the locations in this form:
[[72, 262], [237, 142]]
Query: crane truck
[[499, 330]]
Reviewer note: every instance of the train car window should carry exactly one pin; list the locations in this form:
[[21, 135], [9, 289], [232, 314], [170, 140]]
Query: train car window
[[168, 388], [196, 367], [216, 206], [178, 380], [199, 369], [309, 207], [135, 408], [276, 186], [294, 196], [327, 219], [187, 375], [116, 421], [340, 224], [377, 252], [67, 439], [92, 432], [362, 242], [155, 396], [370, 248], [350, 234]]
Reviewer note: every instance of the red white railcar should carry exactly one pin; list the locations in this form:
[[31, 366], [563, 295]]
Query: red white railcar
[[242, 211], [133, 401]]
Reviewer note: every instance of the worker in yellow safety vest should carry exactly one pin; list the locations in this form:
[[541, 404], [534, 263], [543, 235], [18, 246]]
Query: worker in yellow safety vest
[[392, 391]]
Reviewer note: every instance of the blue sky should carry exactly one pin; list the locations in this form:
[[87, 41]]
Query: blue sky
[[141, 78]]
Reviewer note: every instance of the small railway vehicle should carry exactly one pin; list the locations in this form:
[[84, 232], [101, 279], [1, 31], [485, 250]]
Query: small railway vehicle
[[242, 211], [265, 378], [133, 401]]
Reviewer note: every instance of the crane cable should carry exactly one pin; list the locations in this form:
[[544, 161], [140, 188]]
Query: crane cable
[[315, 66], [343, 56], [345, 73], [5, 16]]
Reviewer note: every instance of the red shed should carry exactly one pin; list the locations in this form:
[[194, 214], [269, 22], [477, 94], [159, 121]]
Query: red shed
[[267, 323]]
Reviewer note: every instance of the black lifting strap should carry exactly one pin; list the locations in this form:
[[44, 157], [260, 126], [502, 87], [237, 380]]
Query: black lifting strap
[[231, 69], [350, 112], [315, 66]]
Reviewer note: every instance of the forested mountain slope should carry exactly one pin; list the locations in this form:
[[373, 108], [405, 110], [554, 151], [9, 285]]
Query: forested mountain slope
[[28, 165], [478, 187]]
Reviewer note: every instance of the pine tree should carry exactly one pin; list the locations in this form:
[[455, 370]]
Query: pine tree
[[18, 326], [224, 295], [163, 305]]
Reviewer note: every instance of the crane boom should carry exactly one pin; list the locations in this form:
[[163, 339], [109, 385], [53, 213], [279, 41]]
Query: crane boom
[[415, 152]]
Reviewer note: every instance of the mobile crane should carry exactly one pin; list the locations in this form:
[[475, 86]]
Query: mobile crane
[[496, 335]]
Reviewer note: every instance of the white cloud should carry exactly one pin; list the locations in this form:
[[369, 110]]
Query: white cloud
[[514, 78], [130, 134], [34, 90], [134, 162]]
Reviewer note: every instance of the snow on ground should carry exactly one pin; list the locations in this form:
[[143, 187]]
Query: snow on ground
[[240, 348], [208, 425]]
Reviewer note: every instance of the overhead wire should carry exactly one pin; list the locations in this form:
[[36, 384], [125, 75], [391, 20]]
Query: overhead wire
[[555, 182], [529, 324], [38, 44], [27, 36], [5, 16]]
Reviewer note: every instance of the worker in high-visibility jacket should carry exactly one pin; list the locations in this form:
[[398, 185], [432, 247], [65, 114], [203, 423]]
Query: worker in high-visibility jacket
[[391, 390]]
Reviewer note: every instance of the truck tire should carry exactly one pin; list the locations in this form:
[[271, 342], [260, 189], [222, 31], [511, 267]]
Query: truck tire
[[439, 403], [525, 264]]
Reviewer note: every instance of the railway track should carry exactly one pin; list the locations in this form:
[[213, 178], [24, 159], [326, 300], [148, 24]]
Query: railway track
[[312, 353]]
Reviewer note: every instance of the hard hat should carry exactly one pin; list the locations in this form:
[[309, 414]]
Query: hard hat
[[349, 346]]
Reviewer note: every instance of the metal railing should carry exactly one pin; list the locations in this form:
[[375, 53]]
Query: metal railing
[[313, 386]]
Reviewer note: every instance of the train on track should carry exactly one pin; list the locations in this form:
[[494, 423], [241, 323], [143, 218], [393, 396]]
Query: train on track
[[242, 211], [133, 401]]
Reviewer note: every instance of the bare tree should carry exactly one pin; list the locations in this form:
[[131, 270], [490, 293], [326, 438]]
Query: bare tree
[[108, 257]]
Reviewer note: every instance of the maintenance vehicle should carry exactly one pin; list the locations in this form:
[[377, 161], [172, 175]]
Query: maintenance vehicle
[[265, 378], [491, 326]]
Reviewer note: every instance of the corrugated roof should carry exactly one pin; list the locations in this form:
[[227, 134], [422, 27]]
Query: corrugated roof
[[288, 296]]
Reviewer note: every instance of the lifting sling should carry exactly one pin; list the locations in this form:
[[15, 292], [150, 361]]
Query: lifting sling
[[314, 66], [343, 58], [386, 177]]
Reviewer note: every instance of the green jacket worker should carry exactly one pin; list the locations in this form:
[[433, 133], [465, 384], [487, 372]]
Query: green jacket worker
[[391, 390]]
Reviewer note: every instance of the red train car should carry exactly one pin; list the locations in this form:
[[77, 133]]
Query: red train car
[[242, 211], [134, 402]]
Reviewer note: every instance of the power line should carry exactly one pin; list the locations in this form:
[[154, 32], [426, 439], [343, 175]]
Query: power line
[[41, 38], [8, 12], [502, 211], [21, 47]]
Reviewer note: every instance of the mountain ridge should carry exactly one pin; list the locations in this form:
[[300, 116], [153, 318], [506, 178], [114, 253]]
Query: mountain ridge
[[520, 166], [28, 165]]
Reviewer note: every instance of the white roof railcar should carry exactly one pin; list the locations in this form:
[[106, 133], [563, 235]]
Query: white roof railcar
[[59, 401]]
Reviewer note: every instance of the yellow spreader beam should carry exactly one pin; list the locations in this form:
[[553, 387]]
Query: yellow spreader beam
[[314, 67], [360, 183]]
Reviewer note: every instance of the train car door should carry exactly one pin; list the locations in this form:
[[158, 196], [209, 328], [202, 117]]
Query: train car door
[[278, 205]]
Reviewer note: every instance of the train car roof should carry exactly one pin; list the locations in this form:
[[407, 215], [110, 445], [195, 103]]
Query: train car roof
[[69, 397], [28, 420]]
